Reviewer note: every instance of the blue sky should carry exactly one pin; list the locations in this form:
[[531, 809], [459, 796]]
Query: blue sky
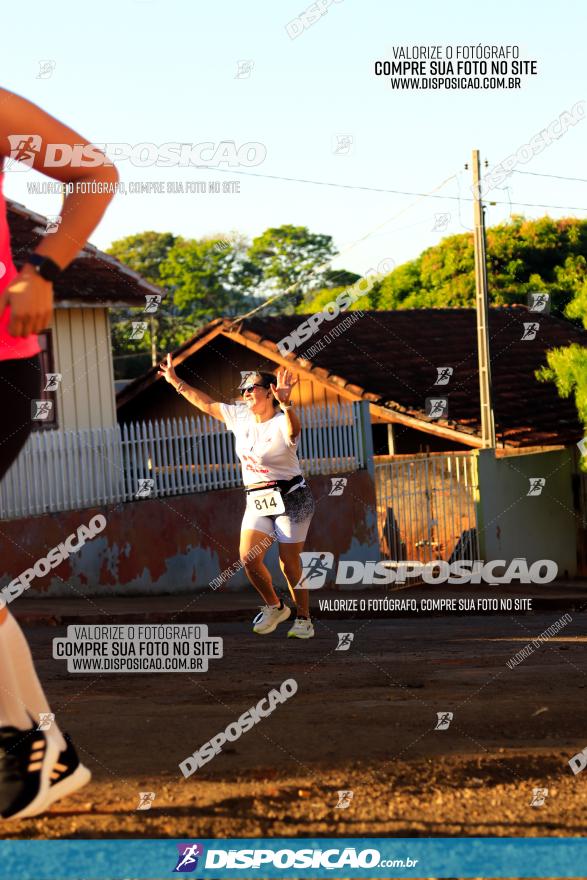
[[152, 71]]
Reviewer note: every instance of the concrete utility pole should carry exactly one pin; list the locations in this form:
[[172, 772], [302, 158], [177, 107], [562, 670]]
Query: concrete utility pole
[[482, 309]]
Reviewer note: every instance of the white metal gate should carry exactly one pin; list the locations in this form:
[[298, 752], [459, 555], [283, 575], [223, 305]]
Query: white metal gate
[[426, 506]]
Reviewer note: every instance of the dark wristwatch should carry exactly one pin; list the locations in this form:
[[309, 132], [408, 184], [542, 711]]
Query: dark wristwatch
[[44, 266]]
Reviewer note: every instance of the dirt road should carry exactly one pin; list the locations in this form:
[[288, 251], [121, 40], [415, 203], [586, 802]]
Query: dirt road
[[363, 720]]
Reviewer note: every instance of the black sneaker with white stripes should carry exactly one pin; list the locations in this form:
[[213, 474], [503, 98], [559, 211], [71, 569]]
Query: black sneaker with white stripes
[[68, 774], [26, 760]]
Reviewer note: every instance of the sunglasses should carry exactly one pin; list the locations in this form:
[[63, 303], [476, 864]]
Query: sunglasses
[[249, 388]]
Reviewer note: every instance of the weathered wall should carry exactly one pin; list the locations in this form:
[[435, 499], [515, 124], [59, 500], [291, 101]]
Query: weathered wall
[[513, 524], [178, 544]]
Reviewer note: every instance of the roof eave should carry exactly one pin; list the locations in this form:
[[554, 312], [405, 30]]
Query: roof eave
[[141, 383], [88, 252]]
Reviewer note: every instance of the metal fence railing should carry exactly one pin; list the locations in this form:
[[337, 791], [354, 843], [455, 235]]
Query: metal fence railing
[[67, 470], [426, 507]]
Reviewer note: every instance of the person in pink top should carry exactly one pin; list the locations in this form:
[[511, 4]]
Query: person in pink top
[[37, 767]]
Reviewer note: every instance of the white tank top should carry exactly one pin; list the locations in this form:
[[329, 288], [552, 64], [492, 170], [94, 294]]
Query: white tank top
[[264, 448]]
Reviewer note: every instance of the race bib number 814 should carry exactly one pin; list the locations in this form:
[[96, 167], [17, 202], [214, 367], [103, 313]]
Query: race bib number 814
[[267, 501]]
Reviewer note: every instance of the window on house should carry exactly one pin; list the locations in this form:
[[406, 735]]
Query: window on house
[[46, 409]]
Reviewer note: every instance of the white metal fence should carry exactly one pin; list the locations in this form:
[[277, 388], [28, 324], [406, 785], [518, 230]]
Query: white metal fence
[[67, 470], [426, 507]]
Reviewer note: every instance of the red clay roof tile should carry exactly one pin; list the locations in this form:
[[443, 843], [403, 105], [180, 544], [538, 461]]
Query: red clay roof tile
[[394, 355]]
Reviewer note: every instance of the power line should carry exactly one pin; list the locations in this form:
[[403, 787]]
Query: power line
[[554, 176], [537, 205], [397, 192]]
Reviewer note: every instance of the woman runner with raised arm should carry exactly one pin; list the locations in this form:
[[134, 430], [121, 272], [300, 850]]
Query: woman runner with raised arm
[[279, 504]]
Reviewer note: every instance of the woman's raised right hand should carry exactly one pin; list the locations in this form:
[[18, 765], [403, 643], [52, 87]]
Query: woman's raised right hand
[[166, 369]]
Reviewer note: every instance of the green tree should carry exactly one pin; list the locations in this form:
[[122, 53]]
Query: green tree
[[144, 253], [339, 278], [316, 301], [291, 257], [523, 256], [567, 366], [209, 278], [202, 280]]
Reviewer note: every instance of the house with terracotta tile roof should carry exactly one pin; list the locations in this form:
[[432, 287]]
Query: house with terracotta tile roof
[[413, 484], [395, 361]]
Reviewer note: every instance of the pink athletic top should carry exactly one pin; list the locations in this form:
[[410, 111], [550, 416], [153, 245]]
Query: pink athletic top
[[11, 347]]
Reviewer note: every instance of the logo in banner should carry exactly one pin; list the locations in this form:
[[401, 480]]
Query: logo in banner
[[187, 860]]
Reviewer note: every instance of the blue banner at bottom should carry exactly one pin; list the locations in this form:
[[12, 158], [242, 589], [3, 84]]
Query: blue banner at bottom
[[311, 858]]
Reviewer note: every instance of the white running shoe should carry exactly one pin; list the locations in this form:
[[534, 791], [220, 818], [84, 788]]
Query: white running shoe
[[269, 617], [302, 629]]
